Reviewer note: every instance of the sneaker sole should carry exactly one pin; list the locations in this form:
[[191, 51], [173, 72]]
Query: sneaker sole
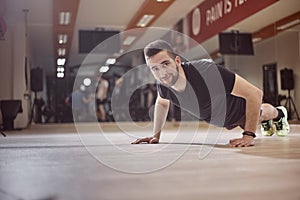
[[285, 114], [268, 134]]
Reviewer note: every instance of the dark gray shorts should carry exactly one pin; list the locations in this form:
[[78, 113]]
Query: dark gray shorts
[[241, 123]]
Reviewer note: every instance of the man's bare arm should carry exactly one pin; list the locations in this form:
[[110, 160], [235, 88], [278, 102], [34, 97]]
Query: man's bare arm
[[160, 115], [253, 97]]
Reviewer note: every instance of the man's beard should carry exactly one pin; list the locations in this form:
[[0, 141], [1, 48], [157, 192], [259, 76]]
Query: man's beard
[[174, 78]]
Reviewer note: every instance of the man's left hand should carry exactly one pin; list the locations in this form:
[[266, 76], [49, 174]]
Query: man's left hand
[[245, 141]]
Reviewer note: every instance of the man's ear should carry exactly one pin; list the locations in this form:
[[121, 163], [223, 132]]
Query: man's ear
[[178, 60]]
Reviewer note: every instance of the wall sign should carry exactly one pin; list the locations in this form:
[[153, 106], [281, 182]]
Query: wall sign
[[214, 16]]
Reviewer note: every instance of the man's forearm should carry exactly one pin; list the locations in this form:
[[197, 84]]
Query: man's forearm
[[253, 106], [160, 116]]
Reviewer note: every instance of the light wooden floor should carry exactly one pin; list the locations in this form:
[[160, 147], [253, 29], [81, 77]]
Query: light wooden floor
[[54, 162]]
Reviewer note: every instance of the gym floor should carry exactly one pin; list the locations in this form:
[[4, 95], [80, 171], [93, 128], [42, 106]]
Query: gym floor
[[62, 162]]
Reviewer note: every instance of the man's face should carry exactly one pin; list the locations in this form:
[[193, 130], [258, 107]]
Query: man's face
[[164, 68]]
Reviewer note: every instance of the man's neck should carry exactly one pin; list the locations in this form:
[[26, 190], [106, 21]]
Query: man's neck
[[180, 84]]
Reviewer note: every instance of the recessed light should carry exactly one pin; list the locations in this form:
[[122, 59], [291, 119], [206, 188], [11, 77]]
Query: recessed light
[[104, 69], [64, 18], [256, 39], [144, 21], [110, 61], [60, 74], [61, 61], [62, 38], [289, 24], [60, 69], [129, 40], [87, 82], [61, 51]]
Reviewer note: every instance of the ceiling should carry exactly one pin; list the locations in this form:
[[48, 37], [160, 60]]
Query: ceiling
[[116, 14]]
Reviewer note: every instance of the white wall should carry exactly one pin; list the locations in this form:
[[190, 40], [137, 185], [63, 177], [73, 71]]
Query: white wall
[[6, 68], [12, 70], [282, 49]]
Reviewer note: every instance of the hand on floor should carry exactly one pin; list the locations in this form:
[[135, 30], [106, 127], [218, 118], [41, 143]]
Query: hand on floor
[[151, 140], [245, 141]]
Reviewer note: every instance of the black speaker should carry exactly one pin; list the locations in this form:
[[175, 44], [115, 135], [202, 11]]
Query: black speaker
[[287, 79], [9, 111], [36, 79]]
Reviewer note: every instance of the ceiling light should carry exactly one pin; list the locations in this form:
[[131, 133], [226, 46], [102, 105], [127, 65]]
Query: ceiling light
[[82, 87], [144, 21], [103, 69], [87, 82], [256, 39], [162, 1], [62, 38], [61, 61], [61, 51], [60, 74], [64, 18], [289, 24], [110, 61], [60, 69], [129, 40]]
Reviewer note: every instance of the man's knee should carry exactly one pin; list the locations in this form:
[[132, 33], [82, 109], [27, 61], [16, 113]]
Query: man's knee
[[267, 112]]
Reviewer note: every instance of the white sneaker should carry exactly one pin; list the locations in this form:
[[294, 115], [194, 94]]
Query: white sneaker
[[282, 125], [267, 128]]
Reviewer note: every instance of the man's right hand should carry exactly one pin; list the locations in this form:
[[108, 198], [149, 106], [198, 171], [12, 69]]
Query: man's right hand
[[150, 140]]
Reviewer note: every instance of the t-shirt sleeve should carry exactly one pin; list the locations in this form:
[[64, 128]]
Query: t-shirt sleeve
[[208, 69], [161, 91], [228, 78]]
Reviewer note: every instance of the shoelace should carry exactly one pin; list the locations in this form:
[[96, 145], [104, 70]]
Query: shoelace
[[279, 124], [266, 126]]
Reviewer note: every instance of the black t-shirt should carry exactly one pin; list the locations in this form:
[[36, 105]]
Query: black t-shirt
[[207, 95]]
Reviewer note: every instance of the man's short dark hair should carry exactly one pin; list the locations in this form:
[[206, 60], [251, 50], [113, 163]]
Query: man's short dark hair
[[157, 46]]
